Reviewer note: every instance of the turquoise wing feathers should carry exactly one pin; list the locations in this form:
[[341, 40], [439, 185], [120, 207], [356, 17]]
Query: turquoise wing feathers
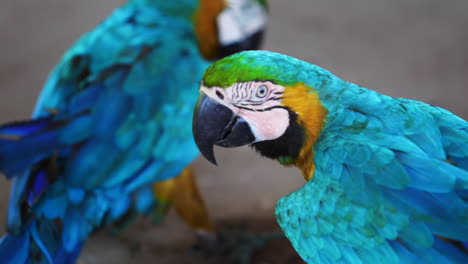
[[390, 185]]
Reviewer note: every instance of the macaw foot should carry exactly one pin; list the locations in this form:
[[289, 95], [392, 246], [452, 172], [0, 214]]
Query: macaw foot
[[238, 245]]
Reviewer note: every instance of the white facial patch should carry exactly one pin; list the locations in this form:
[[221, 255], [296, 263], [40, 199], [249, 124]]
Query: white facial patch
[[240, 19], [267, 125], [263, 110]]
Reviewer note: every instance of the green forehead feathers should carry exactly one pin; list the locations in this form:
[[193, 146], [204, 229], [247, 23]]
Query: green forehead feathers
[[254, 65]]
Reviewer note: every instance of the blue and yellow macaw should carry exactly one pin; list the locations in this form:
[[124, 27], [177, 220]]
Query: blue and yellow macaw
[[115, 116], [387, 178]]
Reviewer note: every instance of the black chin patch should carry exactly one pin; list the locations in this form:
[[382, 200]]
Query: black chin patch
[[288, 145], [252, 42]]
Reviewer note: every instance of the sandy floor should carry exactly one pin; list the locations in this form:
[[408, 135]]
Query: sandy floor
[[403, 49]]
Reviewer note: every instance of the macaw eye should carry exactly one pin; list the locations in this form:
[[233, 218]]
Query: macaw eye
[[262, 91]]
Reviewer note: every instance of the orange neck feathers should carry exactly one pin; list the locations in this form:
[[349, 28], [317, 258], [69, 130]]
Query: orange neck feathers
[[303, 100], [206, 28]]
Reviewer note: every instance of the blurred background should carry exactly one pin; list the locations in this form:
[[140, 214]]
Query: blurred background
[[416, 49]]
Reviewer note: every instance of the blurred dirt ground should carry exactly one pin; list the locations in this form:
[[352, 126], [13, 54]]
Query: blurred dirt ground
[[415, 49]]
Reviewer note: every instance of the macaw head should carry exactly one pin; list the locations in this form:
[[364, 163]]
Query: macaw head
[[224, 27], [260, 98]]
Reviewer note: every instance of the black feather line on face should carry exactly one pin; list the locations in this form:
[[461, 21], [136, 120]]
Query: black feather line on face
[[261, 110], [288, 145]]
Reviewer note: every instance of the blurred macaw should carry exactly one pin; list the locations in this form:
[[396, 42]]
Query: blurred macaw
[[387, 178], [114, 117]]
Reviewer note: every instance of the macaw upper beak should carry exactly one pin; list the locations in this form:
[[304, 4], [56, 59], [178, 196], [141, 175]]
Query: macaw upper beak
[[216, 124]]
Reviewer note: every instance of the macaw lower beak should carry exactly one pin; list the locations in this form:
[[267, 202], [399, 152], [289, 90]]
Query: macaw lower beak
[[252, 42], [215, 124]]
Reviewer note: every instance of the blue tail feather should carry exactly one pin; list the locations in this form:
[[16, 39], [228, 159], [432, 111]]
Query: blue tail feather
[[17, 194], [30, 142], [17, 156], [41, 239], [14, 249], [24, 128], [26, 188], [39, 184], [41, 244]]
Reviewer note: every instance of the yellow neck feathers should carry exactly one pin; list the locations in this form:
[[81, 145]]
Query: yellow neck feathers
[[206, 27], [303, 100]]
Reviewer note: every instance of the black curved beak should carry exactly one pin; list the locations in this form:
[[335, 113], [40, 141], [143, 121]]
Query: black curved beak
[[215, 124], [252, 42]]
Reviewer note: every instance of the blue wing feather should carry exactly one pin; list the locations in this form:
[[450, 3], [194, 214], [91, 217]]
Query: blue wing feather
[[21, 129]]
